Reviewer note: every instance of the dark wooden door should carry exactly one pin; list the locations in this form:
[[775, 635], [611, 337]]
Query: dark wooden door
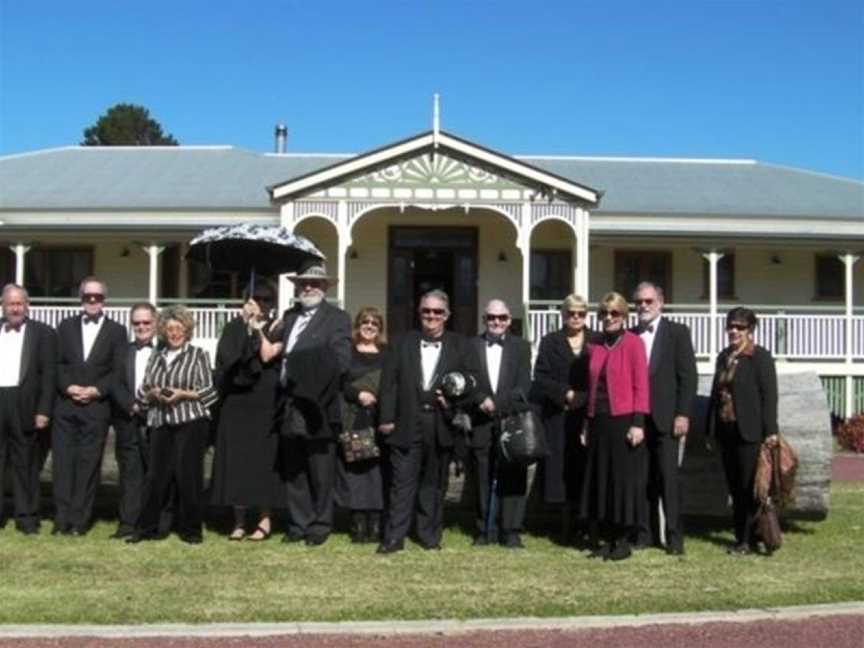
[[426, 258]]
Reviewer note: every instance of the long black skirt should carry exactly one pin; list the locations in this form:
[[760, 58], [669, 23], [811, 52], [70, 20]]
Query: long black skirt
[[612, 493]]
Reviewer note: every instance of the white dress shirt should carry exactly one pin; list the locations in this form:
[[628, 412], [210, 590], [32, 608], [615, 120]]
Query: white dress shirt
[[89, 331], [302, 321], [648, 335], [493, 364], [430, 352], [142, 357], [11, 345]]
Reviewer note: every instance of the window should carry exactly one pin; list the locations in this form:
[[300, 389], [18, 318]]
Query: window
[[56, 271], [830, 277], [7, 265], [725, 277], [551, 274], [633, 267]]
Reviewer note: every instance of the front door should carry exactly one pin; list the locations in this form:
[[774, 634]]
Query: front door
[[423, 259]]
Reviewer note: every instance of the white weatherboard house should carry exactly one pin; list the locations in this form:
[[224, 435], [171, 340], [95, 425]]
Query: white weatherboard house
[[436, 210]]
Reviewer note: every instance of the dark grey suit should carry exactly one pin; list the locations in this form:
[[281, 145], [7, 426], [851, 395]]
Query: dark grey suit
[[311, 375], [18, 409], [514, 383]]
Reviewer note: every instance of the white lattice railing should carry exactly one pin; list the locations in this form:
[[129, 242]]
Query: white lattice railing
[[209, 321], [786, 335]]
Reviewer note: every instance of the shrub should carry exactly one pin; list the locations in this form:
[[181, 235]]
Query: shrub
[[851, 434]]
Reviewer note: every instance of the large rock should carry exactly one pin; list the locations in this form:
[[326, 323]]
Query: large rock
[[804, 420]]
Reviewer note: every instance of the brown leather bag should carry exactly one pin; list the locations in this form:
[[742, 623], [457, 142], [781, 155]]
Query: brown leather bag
[[767, 520]]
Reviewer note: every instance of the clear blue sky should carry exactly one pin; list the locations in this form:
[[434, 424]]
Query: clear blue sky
[[781, 81]]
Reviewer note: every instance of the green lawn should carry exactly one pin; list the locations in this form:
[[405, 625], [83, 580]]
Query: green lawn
[[95, 580]]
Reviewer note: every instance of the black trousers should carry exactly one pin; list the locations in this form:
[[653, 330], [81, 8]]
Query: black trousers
[[419, 479], [661, 484], [511, 486], [739, 463], [129, 452], [176, 459], [309, 470], [17, 449], [78, 440]]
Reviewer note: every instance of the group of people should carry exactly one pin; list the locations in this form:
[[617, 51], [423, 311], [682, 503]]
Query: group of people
[[289, 395]]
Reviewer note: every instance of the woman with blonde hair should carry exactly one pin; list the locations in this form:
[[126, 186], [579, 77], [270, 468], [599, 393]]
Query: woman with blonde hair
[[618, 401], [560, 387]]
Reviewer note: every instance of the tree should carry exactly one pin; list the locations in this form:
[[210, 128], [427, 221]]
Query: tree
[[127, 125]]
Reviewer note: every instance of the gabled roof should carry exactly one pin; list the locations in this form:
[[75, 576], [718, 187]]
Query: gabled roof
[[444, 143]]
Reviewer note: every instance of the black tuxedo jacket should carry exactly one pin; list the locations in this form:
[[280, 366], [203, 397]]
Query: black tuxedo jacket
[[672, 374], [754, 393], [314, 369], [103, 369], [514, 383], [402, 383], [36, 382], [329, 327], [123, 395]]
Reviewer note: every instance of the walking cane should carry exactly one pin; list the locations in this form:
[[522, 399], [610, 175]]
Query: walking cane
[[491, 530]]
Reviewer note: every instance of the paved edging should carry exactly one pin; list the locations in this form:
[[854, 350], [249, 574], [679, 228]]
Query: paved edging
[[448, 626]]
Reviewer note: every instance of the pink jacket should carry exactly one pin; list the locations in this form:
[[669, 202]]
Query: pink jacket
[[626, 376]]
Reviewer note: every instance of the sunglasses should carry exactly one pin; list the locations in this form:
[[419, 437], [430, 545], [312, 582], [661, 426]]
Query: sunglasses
[[432, 311], [92, 298], [264, 299], [609, 313], [492, 317], [737, 327], [643, 302], [581, 314], [143, 323]]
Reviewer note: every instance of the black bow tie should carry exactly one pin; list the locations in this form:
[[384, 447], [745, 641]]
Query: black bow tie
[[91, 319], [11, 327], [492, 341], [431, 343], [144, 345], [648, 328]]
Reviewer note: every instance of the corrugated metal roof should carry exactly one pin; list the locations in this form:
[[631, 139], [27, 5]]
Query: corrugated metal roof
[[229, 178]]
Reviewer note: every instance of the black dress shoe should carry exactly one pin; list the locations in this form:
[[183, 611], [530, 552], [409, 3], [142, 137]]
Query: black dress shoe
[[135, 538], [601, 552], [620, 551], [434, 546], [512, 541], [291, 538], [313, 540], [676, 549], [480, 541], [390, 547], [191, 538], [61, 531]]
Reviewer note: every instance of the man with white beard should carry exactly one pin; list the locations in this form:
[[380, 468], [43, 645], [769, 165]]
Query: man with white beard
[[315, 346]]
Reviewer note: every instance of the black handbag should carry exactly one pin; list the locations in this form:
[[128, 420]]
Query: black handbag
[[522, 439], [359, 445]]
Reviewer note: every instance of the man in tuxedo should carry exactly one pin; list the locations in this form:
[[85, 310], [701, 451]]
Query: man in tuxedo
[[673, 381], [415, 419], [316, 351], [129, 420], [27, 350], [91, 359], [503, 381]]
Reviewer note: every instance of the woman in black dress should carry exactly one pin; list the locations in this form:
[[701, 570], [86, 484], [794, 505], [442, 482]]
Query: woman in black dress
[[743, 411], [560, 386], [359, 487], [244, 466]]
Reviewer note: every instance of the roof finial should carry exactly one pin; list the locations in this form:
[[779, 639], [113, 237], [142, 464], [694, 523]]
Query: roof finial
[[436, 119]]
